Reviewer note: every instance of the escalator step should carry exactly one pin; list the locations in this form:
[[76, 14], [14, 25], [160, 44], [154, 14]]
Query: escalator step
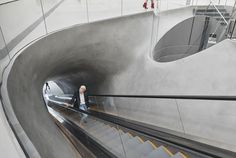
[[140, 151], [113, 140], [106, 132], [95, 127], [109, 137], [159, 152], [90, 120], [87, 123], [132, 143], [117, 140], [91, 124], [179, 155], [127, 145], [100, 130]]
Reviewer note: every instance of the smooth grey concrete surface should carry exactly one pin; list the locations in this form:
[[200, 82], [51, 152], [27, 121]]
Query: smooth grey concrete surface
[[23, 25], [44, 138], [182, 40], [3, 50], [10, 147], [113, 57], [187, 38], [39, 129], [26, 22], [211, 72], [17, 29]]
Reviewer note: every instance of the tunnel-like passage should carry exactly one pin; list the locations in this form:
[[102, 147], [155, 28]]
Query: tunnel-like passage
[[89, 54]]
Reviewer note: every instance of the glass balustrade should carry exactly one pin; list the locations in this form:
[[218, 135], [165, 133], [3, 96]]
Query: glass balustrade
[[208, 121]]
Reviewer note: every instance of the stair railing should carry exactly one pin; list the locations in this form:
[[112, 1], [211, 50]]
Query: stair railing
[[219, 12]]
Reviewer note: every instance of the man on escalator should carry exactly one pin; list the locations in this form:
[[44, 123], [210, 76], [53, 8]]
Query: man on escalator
[[80, 98]]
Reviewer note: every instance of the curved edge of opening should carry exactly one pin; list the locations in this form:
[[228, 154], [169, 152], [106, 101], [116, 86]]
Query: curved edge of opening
[[186, 38]]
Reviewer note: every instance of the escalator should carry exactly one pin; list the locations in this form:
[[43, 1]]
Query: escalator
[[111, 137], [118, 137]]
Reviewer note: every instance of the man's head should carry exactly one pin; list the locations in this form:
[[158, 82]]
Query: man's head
[[82, 89]]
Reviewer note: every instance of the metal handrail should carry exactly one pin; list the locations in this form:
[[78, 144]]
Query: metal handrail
[[186, 97], [221, 15], [219, 12], [211, 3], [233, 10]]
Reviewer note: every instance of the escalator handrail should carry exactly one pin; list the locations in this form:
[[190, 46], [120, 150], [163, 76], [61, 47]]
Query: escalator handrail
[[91, 144], [186, 97], [161, 134]]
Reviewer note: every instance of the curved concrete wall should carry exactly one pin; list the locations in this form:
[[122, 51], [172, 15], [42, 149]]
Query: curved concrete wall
[[186, 38], [88, 54], [113, 57], [181, 41], [173, 53], [210, 72]]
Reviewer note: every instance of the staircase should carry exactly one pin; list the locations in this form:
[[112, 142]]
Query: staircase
[[213, 13]]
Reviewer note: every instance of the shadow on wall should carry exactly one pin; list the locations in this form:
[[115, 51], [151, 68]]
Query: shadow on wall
[[90, 54], [185, 39], [85, 74]]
